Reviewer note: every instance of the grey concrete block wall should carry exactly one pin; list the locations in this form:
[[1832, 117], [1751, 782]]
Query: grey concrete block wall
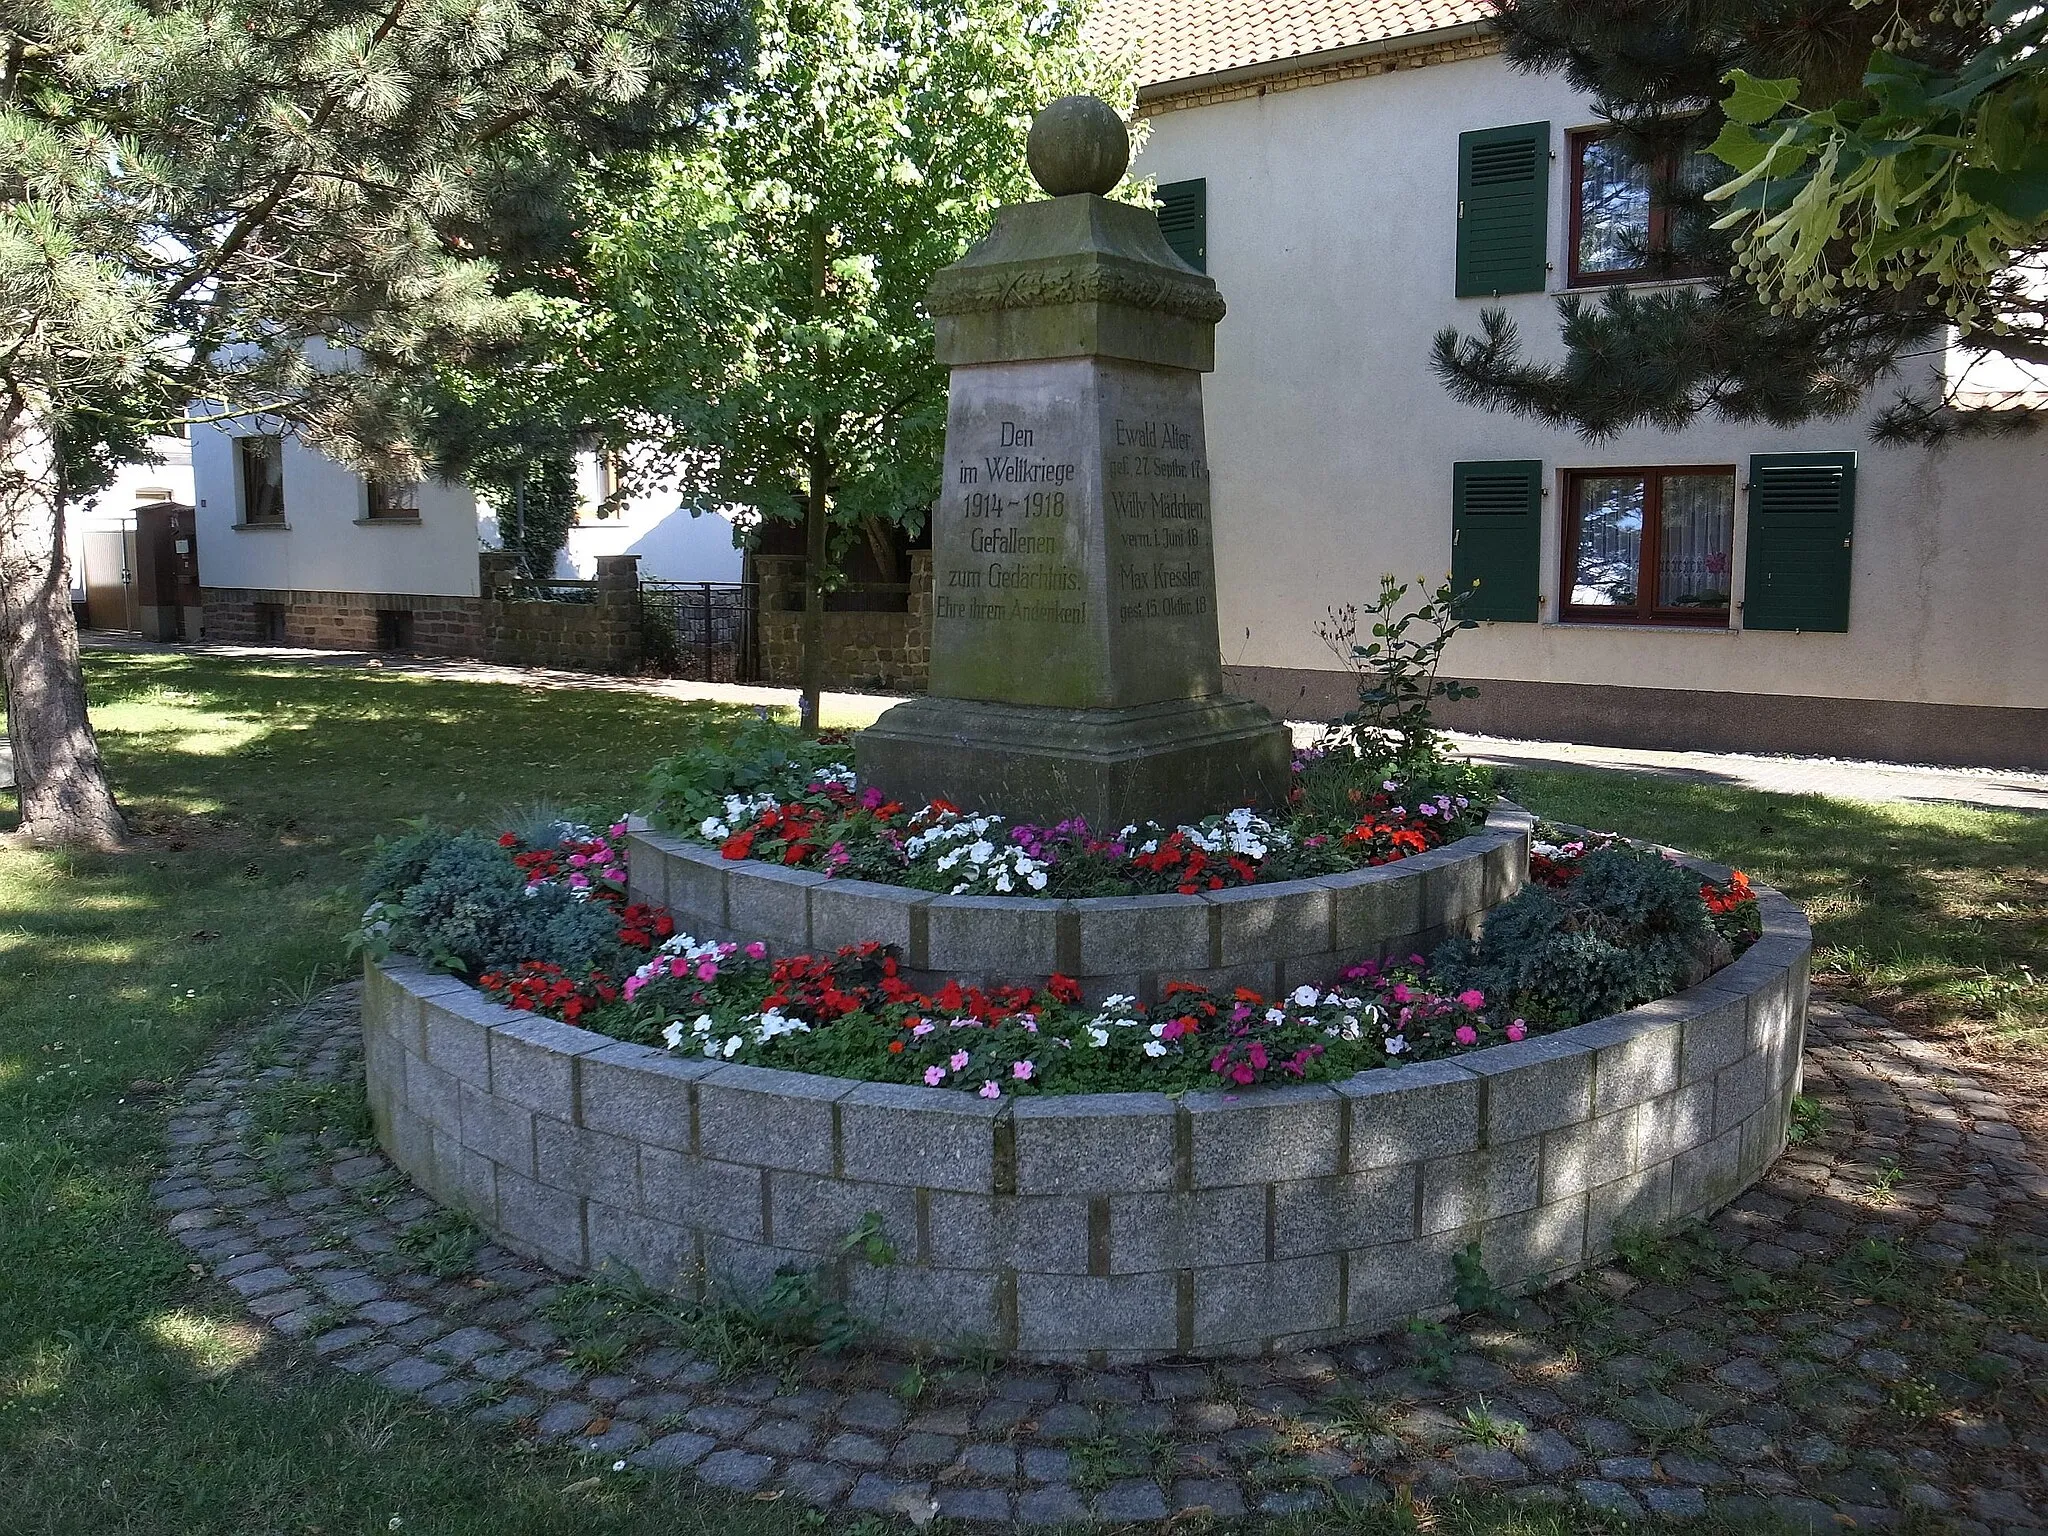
[[1105, 1227], [1273, 937]]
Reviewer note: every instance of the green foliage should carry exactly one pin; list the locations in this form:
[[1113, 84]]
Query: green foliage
[[469, 909], [1397, 665], [1934, 173], [536, 503], [1630, 927], [311, 1109], [1474, 1290], [752, 320], [764, 758], [445, 1243]]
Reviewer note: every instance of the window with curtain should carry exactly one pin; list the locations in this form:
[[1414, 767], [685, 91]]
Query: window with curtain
[[1649, 546]]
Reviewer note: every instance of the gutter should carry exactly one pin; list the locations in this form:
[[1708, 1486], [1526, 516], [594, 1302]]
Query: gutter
[[1302, 63]]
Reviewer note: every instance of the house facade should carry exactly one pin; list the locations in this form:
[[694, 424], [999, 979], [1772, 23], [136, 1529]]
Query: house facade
[[1357, 175], [296, 549]]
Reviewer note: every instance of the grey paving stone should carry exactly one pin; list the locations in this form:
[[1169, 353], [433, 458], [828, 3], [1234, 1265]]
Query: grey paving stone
[[1363, 1492], [1676, 1503], [254, 1282], [1628, 1469], [1068, 1421], [1134, 1499], [1604, 1437], [1747, 1375], [682, 1449], [1744, 1442], [781, 1437], [728, 1421], [1001, 1416], [921, 1453], [975, 1506], [623, 1435], [741, 1471], [567, 1417], [505, 1363], [336, 1340], [452, 1393], [1489, 1463], [2004, 1507], [1056, 1504], [1042, 1464], [1548, 1453], [1292, 1501], [1681, 1468], [876, 1412], [815, 1482], [881, 1495], [1608, 1498], [855, 1450], [412, 1374], [465, 1344]]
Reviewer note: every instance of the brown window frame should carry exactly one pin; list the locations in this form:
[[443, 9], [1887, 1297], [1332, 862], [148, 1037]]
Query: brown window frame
[[1662, 174], [1646, 552], [379, 507], [242, 498]]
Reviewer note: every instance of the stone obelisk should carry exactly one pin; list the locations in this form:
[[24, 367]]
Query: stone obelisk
[[1075, 666]]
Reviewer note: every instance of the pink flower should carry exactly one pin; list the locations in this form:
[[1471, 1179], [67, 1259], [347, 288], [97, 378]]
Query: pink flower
[[957, 1060], [618, 829], [1401, 994], [578, 860], [922, 1028], [1258, 1056], [1243, 1073], [678, 966], [707, 971], [933, 1076], [633, 985], [1021, 1070], [1517, 1030], [990, 1091], [757, 950], [580, 882], [1472, 997], [1466, 1035]]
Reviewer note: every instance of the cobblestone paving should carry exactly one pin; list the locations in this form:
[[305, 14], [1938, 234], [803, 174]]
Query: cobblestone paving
[[1861, 1340]]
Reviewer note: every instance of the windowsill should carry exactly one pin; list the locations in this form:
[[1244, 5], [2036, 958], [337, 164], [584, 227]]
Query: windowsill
[[1602, 284], [279, 526], [389, 522], [1640, 626]]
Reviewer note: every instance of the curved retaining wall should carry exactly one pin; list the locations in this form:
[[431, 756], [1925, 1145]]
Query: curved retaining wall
[[1108, 1228], [1268, 937]]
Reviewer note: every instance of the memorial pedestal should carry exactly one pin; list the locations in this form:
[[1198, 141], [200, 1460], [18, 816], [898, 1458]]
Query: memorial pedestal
[[1075, 667]]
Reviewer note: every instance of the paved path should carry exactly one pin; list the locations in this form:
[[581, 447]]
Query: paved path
[[1844, 779], [1848, 1345]]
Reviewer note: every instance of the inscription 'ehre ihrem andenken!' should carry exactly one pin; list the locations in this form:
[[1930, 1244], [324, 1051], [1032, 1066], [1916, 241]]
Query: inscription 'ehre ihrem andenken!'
[[1013, 506]]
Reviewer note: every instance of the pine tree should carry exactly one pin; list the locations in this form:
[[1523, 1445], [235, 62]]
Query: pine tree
[[1658, 72], [750, 319], [287, 210]]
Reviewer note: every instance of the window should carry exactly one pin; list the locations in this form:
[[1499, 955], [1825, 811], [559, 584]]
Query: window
[[1622, 222], [259, 469], [1649, 546], [393, 501], [611, 476]]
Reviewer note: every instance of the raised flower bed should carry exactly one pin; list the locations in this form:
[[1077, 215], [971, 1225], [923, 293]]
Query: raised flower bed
[[1065, 1224]]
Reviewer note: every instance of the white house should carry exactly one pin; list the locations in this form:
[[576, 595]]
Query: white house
[[1356, 174], [99, 535], [294, 548]]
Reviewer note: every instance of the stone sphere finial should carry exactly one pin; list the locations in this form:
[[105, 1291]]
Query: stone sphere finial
[[1077, 144]]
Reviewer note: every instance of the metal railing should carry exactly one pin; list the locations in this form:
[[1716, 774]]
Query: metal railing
[[702, 630]]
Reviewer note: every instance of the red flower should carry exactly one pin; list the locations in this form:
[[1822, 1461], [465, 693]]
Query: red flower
[[507, 840], [1065, 988]]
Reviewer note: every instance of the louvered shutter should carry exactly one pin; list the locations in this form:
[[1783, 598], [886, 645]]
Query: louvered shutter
[[1503, 210], [1802, 509], [1497, 537], [1184, 220]]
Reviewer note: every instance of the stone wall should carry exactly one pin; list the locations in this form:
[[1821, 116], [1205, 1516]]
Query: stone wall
[[862, 650], [1269, 937], [602, 634], [1103, 1228]]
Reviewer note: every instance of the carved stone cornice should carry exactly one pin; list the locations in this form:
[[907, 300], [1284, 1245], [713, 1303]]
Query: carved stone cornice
[[960, 290]]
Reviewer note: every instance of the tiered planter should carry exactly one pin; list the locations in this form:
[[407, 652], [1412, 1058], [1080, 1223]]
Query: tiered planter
[[1268, 937], [1110, 1228]]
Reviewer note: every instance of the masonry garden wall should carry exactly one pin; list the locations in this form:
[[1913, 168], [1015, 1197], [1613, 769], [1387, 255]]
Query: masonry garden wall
[[1107, 1228]]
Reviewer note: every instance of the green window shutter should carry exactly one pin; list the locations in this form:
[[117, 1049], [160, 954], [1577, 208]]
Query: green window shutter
[[1497, 536], [1503, 210], [1184, 220], [1802, 510]]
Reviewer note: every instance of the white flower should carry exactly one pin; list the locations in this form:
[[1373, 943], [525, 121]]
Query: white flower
[[732, 1046], [1396, 1044], [1097, 1035], [1276, 1016], [1155, 1047], [673, 1034], [1305, 997]]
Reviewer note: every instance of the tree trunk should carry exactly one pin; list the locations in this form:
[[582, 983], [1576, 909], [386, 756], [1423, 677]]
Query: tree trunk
[[809, 709], [59, 775]]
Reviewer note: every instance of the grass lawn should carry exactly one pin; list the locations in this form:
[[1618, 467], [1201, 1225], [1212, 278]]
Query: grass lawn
[[134, 1397]]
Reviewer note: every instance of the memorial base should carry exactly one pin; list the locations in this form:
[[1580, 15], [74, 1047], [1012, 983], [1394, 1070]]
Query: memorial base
[[1170, 762]]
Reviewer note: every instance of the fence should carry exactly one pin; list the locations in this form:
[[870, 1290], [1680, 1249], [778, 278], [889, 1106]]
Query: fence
[[702, 630]]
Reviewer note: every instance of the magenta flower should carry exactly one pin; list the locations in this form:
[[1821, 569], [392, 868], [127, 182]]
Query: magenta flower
[[1466, 1035], [757, 950], [1517, 1030], [1473, 998], [707, 970]]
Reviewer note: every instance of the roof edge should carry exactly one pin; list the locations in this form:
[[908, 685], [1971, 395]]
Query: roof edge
[[1300, 63]]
